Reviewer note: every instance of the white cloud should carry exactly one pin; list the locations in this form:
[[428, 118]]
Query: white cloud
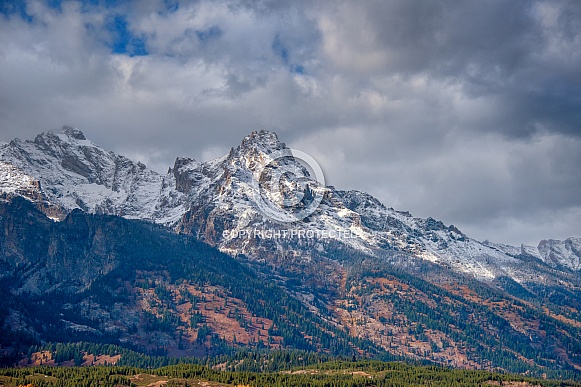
[[458, 111]]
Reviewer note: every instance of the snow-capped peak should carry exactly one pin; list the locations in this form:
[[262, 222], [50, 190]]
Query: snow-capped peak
[[73, 133], [262, 141], [76, 173], [216, 201]]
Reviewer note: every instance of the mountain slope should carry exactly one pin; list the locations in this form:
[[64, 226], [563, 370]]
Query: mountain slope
[[105, 279], [370, 280], [108, 279]]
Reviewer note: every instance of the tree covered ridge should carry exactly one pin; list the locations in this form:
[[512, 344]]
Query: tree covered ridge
[[256, 361], [326, 374]]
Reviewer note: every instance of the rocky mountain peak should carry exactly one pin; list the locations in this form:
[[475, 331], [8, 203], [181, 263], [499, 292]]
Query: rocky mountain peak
[[252, 151], [182, 162], [258, 144], [263, 140], [67, 137], [73, 133], [184, 172], [216, 197]]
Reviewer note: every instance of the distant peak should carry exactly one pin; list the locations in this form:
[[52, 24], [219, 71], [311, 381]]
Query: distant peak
[[73, 133]]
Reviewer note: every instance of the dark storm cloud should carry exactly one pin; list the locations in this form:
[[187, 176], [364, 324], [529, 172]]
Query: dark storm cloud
[[524, 55], [462, 110]]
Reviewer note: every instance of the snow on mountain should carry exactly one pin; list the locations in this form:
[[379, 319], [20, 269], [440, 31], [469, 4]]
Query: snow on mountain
[[15, 181], [216, 201], [553, 252], [76, 173], [565, 253], [531, 251]]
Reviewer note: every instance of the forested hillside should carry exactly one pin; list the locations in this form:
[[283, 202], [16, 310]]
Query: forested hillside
[[104, 279]]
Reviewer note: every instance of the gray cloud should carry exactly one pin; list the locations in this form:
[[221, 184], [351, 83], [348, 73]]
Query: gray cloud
[[465, 111]]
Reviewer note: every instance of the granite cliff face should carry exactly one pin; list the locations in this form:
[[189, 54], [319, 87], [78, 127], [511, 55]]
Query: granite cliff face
[[42, 260]]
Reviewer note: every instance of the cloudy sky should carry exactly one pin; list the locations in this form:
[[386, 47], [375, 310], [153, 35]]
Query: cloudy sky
[[466, 111]]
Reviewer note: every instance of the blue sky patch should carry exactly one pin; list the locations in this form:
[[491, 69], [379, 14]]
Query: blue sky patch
[[55, 4], [15, 7], [281, 51], [123, 41]]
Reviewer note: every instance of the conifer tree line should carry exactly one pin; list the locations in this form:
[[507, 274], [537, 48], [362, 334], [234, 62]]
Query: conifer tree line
[[326, 374]]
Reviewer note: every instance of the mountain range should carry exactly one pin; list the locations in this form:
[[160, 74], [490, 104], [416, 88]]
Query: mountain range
[[98, 247]]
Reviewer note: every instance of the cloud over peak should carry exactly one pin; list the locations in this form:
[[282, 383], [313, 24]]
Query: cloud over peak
[[465, 111]]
